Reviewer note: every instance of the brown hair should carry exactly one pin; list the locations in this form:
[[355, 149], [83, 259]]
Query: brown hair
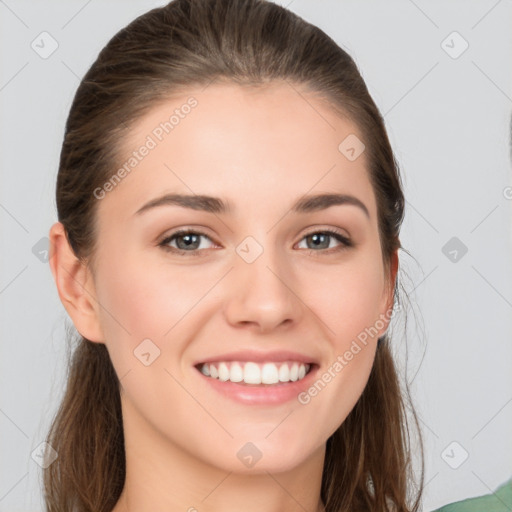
[[189, 43]]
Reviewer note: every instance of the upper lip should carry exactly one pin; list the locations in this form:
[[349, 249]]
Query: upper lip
[[259, 357]]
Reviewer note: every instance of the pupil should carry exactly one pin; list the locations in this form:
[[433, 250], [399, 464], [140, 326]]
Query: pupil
[[189, 242], [316, 237]]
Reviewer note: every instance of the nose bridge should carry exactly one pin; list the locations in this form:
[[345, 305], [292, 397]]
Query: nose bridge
[[262, 291]]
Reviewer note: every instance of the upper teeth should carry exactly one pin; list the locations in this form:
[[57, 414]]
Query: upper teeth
[[254, 373]]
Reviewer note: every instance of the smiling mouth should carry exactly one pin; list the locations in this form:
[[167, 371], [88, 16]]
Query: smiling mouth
[[256, 374]]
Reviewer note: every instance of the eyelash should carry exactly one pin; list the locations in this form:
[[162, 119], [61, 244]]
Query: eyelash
[[346, 243]]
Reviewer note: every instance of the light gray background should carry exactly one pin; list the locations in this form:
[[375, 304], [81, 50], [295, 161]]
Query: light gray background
[[448, 120]]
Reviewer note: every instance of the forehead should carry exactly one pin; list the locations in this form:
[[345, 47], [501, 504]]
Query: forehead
[[276, 142]]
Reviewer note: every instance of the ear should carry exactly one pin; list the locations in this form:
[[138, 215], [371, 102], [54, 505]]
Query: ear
[[389, 293], [75, 285]]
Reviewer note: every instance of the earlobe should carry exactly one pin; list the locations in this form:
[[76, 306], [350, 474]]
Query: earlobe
[[74, 284]]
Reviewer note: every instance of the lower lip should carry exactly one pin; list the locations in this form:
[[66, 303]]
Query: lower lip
[[269, 394]]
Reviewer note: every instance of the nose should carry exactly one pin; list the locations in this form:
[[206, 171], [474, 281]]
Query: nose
[[262, 294]]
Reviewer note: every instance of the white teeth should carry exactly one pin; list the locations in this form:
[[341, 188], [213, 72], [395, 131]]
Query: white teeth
[[254, 373], [294, 372], [236, 373], [223, 372], [284, 373], [269, 374]]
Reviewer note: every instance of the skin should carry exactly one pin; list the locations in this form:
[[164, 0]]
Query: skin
[[260, 150]]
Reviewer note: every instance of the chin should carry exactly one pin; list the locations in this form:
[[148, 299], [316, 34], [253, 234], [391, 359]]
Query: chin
[[261, 456]]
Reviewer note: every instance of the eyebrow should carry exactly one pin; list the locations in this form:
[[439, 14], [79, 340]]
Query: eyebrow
[[216, 205]]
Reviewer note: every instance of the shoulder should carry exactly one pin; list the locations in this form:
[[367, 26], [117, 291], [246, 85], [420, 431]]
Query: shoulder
[[498, 501]]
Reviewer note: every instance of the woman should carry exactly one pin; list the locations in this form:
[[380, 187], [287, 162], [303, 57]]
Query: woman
[[227, 248]]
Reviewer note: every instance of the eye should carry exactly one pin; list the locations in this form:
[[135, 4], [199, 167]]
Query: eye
[[323, 239], [187, 242]]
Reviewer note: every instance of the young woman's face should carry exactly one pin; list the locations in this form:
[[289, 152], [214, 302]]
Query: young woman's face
[[255, 276]]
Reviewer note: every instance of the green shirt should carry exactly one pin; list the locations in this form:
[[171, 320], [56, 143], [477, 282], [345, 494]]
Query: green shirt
[[498, 501]]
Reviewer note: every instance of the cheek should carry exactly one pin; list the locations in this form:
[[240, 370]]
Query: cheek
[[348, 298], [144, 310], [140, 301], [348, 303]]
